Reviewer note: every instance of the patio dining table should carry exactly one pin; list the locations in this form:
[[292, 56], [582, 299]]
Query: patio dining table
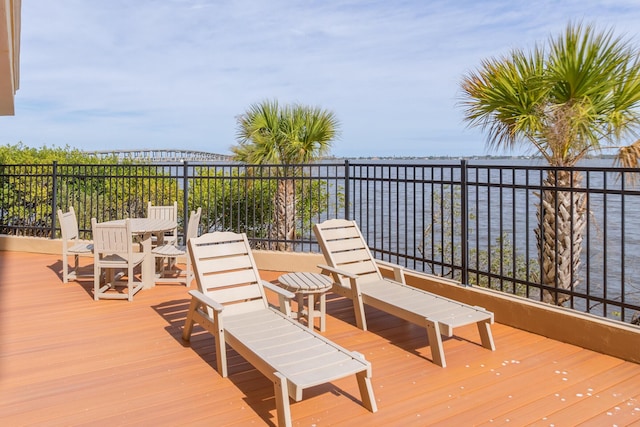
[[146, 228]]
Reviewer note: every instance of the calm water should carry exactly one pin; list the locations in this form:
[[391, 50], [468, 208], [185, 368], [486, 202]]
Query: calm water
[[397, 201]]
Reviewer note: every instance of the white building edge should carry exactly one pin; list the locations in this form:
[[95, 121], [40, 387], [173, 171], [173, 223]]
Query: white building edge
[[9, 54]]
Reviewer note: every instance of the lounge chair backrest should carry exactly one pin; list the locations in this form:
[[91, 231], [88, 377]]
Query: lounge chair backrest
[[346, 249], [227, 272]]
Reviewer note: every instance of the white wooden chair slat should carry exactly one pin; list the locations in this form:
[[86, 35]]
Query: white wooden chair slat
[[282, 342], [227, 264], [355, 255], [248, 306], [232, 249], [340, 232], [240, 293], [362, 269], [238, 278], [301, 350], [318, 375], [345, 245]]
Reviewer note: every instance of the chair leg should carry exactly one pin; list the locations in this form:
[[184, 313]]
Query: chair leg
[[65, 268], [484, 328], [189, 274], [283, 408], [323, 312], [130, 283], [96, 281], [366, 390], [311, 309], [103, 282], [76, 265], [221, 353], [358, 307], [189, 322], [215, 328], [435, 341]]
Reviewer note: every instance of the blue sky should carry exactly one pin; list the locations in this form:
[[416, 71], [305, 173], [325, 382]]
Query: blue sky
[[124, 74]]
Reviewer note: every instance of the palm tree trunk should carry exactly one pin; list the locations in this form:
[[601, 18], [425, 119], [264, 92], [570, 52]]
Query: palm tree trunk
[[562, 219], [285, 215]]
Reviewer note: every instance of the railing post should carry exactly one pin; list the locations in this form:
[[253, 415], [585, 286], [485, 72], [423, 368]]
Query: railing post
[[54, 198], [346, 189], [464, 229], [185, 198]]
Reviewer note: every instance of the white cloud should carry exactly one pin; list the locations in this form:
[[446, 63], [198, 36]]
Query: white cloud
[[175, 73]]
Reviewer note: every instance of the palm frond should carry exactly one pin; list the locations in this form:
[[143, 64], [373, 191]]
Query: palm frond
[[290, 134], [581, 94]]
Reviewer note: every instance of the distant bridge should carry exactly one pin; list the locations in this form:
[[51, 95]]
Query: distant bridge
[[167, 156]]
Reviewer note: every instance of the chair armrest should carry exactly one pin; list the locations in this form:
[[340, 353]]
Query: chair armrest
[[277, 289], [284, 297], [202, 298], [388, 264], [326, 268], [336, 272], [398, 270]]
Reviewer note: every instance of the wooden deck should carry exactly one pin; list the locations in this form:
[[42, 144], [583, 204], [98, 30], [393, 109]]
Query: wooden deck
[[68, 360]]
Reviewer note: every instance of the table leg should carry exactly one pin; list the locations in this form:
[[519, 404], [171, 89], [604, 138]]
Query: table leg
[[159, 262], [300, 297], [311, 311], [149, 264], [323, 310]]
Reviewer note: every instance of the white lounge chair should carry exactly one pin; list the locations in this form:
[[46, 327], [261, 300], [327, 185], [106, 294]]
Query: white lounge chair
[[357, 276], [231, 304], [71, 244]]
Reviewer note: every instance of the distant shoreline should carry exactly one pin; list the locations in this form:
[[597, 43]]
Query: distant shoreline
[[487, 157]]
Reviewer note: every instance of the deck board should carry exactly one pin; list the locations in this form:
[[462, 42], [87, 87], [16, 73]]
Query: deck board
[[66, 359]]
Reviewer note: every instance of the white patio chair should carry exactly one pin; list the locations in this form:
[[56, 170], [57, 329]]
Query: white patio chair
[[170, 251], [169, 212], [72, 245], [113, 250]]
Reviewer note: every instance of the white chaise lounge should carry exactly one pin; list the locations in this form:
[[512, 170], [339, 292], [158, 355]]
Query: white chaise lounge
[[356, 276], [231, 304]]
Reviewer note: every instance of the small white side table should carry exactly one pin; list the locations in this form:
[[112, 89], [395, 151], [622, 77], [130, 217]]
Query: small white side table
[[308, 285]]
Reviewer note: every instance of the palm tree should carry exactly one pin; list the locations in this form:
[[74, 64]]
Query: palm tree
[[576, 95], [289, 136]]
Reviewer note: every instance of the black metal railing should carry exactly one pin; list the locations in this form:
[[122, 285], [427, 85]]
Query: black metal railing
[[477, 223]]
